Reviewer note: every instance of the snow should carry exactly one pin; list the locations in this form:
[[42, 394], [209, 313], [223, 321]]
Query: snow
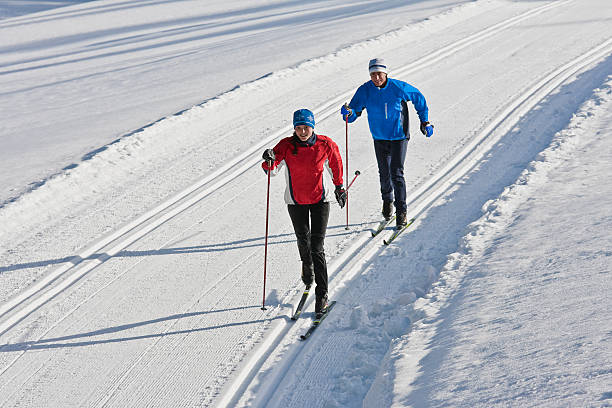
[[66, 71], [131, 229], [518, 315]]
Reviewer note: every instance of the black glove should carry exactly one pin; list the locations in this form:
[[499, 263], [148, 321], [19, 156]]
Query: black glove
[[340, 195], [268, 155]]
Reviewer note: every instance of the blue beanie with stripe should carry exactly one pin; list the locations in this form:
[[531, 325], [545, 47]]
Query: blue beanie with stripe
[[303, 117]]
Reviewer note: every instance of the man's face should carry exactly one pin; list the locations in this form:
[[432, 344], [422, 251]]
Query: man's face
[[378, 78], [303, 132]]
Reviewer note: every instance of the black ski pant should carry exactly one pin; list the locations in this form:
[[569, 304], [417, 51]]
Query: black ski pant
[[310, 224], [390, 155]]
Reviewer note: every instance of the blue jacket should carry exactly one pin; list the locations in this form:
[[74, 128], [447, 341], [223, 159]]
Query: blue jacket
[[387, 108]]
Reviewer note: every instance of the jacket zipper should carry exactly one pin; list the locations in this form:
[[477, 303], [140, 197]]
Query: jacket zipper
[[386, 117]]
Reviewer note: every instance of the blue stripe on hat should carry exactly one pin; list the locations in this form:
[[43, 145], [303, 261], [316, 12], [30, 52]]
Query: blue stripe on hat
[[377, 65]]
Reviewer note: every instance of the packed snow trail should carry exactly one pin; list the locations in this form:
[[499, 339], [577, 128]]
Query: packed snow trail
[[184, 297], [275, 387], [522, 313], [118, 240], [77, 78]]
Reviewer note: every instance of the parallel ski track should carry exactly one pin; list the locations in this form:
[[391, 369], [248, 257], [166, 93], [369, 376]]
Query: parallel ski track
[[18, 308], [346, 268]]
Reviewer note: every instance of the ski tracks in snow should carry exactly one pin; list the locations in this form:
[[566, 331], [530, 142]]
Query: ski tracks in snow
[[282, 355], [276, 351], [567, 380], [276, 388], [20, 306]]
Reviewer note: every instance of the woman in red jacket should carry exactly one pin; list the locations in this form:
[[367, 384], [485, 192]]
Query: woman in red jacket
[[308, 157]]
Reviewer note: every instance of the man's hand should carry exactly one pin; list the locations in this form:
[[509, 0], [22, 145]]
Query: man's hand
[[427, 129], [346, 111]]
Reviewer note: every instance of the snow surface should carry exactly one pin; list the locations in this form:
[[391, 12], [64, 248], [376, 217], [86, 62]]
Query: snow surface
[[84, 76], [131, 270], [521, 312]]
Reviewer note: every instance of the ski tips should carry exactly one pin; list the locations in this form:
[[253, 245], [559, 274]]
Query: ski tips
[[298, 309], [316, 323], [399, 231], [382, 225]]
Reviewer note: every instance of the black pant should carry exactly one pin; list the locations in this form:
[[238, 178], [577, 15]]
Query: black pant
[[310, 235], [390, 155]]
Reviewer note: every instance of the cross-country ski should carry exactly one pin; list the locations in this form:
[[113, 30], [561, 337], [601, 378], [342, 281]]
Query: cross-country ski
[[300, 305], [382, 225], [398, 231], [317, 321]]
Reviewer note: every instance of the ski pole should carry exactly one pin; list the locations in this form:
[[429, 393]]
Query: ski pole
[[263, 304], [357, 173], [347, 169]]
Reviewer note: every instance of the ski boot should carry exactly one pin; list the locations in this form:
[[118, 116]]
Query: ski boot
[[401, 220], [387, 210], [307, 273], [320, 306]]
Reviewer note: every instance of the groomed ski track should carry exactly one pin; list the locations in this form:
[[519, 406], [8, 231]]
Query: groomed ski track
[[272, 345], [110, 245], [356, 259]]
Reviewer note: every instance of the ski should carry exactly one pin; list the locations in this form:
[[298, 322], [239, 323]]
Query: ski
[[382, 225], [398, 231], [317, 322], [300, 306]]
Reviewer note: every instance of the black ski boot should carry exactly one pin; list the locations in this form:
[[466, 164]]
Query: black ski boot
[[387, 210], [401, 220], [320, 305], [307, 273]]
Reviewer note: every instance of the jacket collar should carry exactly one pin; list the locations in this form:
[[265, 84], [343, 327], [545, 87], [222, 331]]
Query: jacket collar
[[384, 86], [308, 143]]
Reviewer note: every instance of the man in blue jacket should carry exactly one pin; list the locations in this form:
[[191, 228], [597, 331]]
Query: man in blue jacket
[[386, 101]]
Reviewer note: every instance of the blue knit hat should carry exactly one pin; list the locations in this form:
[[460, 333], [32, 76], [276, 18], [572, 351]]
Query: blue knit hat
[[303, 117]]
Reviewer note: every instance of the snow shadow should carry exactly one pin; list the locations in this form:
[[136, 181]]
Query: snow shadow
[[68, 341], [277, 239], [16, 8], [204, 27], [446, 224]]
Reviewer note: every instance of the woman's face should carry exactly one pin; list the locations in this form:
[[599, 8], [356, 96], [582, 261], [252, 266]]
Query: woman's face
[[303, 132]]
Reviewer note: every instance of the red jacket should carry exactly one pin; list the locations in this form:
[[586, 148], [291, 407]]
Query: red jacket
[[306, 162]]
